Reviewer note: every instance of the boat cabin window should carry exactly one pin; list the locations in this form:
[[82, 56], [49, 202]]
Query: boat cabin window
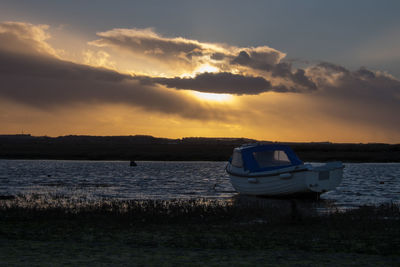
[[271, 158], [237, 159]]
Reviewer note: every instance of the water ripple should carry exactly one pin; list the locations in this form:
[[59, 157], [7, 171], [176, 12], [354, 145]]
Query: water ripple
[[363, 184]]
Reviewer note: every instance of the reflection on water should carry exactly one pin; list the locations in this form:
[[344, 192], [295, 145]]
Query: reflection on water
[[363, 184], [99, 179], [366, 184]]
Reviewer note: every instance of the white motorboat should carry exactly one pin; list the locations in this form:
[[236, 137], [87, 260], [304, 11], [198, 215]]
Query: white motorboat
[[274, 170]]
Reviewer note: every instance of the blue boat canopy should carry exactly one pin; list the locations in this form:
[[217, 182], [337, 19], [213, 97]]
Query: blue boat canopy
[[259, 158]]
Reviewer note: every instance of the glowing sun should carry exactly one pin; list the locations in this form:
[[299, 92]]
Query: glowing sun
[[206, 68], [213, 97]]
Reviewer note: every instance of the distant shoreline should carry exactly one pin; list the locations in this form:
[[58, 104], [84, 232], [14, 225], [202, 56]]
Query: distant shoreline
[[187, 149], [183, 160]]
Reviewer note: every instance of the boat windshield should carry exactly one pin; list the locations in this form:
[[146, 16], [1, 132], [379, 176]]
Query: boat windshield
[[271, 158], [237, 159]]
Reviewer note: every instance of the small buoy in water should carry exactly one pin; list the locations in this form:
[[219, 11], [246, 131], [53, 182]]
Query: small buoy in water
[[381, 182], [48, 175], [133, 163]]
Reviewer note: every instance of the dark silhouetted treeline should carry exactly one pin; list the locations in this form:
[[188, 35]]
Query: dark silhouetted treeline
[[142, 147]]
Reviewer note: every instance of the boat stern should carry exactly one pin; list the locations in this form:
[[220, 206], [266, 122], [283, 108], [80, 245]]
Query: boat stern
[[326, 177]]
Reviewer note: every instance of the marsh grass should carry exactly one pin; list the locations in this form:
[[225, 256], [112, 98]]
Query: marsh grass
[[237, 210], [37, 206], [201, 227]]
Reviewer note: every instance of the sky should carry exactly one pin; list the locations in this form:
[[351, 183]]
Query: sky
[[298, 71]]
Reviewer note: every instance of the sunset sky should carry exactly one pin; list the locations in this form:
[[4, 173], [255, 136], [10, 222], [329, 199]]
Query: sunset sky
[[269, 70]]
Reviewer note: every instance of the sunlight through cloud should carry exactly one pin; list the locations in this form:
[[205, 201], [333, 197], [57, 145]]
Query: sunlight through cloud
[[213, 97]]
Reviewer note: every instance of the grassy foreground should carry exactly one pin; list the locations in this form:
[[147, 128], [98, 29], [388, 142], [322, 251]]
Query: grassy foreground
[[40, 231]]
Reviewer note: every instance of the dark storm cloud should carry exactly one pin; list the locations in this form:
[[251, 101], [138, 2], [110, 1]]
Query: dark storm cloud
[[147, 42], [223, 82], [339, 76], [337, 80], [363, 72], [49, 84], [194, 53], [31, 74], [299, 78], [332, 67], [34, 77], [257, 60], [269, 61], [217, 56], [40, 67], [361, 95]]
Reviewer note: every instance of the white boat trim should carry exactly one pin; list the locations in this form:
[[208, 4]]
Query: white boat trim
[[250, 178], [263, 174]]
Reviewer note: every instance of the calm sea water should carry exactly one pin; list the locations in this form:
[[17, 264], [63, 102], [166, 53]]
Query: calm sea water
[[365, 183]]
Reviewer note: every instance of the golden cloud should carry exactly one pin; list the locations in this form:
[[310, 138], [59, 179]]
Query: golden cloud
[[275, 101], [36, 78]]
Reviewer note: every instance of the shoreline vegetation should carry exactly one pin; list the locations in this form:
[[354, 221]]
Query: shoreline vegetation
[[140, 147], [60, 230], [244, 231]]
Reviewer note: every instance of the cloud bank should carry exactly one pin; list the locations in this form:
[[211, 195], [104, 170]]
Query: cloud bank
[[221, 83], [33, 73], [190, 55]]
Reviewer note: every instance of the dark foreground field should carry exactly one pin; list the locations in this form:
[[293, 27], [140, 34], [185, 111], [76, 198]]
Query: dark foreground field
[[58, 231]]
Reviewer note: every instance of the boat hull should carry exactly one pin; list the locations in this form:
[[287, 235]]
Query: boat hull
[[299, 182]]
